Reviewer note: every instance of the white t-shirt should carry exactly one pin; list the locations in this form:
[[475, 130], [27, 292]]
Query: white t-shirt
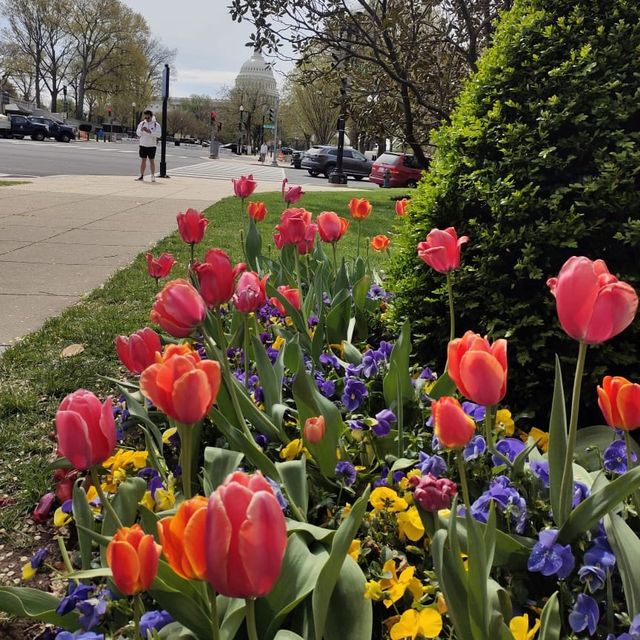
[[150, 137], [264, 148]]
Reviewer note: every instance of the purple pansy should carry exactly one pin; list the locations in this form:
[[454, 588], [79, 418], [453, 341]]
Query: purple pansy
[[585, 614], [593, 577], [510, 448], [354, 393], [476, 447], [614, 458], [550, 558], [346, 472], [385, 419], [435, 465], [154, 620], [506, 499], [540, 469]]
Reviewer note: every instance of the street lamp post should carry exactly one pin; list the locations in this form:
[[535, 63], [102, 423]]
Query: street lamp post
[[274, 161], [64, 100], [338, 176], [240, 131], [133, 117]]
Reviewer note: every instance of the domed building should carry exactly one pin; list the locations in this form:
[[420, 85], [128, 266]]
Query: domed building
[[256, 77]]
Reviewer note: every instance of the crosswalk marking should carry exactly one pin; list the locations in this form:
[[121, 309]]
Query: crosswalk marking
[[221, 170]]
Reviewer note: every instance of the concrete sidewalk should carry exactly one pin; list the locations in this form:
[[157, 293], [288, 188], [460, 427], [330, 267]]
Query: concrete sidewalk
[[63, 236]]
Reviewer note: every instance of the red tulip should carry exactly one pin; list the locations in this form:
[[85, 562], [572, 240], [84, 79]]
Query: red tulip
[[292, 194], [331, 226], [293, 226], [133, 559], [257, 211], [178, 308], [245, 537], [478, 369], [183, 539], [453, 427], [64, 480], [306, 245], [313, 430], [380, 243], [441, 250], [432, 493], [291, 294], [138, 351], [250, 292], [244, 186], [217, 277], [43, 509], [192, 224], [360, 208], [619, 401], [401, 207], [182, 385], [86, 429], [593, 305], [161, 267]]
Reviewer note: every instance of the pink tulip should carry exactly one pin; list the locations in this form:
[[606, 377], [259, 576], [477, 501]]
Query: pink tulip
[[250, 292], [192, 224], [138, 351], [244, 186], [217, 277], [178, 308], [43, 508], [306, 244], [441, 250], [293, 226], [291, 294], [245, 537], [161, 267], [452, 426], [292, 194], [331, 226], [86, 429], [593, 305], [433, 494], [313, 430]]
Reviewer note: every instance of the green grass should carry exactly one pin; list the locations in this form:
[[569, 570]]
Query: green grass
[[34, 376], [9, 183]]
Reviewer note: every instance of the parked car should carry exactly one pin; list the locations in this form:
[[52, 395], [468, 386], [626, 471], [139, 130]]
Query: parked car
[[22, 126], [5, 126], [296, 159], [323, 158], [402, 167], [231, 146], [58, 130]]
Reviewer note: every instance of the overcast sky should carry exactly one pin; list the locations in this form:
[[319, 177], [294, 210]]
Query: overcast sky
[[210, 46]]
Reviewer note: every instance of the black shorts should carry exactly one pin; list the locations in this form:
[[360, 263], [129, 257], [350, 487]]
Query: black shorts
[[148, 152]]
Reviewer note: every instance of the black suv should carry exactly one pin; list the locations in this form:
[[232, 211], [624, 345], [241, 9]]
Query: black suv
[[323, 159], [22, 126], [58, 130]]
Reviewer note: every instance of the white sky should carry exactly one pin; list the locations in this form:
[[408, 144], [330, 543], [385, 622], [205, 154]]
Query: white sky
[[210, 46]]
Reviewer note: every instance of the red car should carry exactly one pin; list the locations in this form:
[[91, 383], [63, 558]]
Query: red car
[[403, 170]]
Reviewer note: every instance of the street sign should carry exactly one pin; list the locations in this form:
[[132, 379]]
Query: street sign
[[269, 126]]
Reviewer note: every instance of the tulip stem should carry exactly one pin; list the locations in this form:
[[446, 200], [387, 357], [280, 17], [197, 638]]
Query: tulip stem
[[335, 259], [627, 441], [193, 246], [358, 242], [252, 634], [400, 418], [488, 427], [65, 555], [466, 496], [298, 277], [452, 316], [246, 351], [567, 472], [213, 605], [184, 431], [104, 501], [137, 606]]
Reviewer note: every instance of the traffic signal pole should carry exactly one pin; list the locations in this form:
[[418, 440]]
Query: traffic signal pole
[[274, 162], [163, 137]]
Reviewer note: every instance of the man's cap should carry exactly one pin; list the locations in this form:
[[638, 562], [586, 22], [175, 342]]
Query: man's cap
[[148, 111]]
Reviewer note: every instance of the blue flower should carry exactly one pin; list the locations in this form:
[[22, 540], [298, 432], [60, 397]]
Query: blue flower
[[435, 465], [76, 592], [385, 348], [511, 448], [80, 635], [154, 620], [382, 480], [354, 393], [38, 557], [540, 469], [506, 499], [357, 424], [327, 387], [277, 492], [614, 458], [354, 370], [580, 492], [601, 554], [634, 629], [313, 320], [585, 614], [330, 360], [385, 419], [476, 447], [369, 366], [346, 472], [550, 558], [427, 374], [476, 411], [593, 576], [92, 610]]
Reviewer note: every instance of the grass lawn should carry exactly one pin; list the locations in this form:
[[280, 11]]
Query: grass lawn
[[9, 183], [35, 376]]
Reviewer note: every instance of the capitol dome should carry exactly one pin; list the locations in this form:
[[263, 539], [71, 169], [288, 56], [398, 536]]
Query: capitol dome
[[256, 76]]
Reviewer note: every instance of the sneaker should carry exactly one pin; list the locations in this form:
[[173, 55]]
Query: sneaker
[[140, 179], [153, 178]]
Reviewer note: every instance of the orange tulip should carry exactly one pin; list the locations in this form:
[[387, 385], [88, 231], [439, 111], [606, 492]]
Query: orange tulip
[[180, 384], [183, 540], [479, 369], [133, 559], [360, 208], [380, 243], [619, 401], [257, 210], [291, 294], [401, 207], [313, 430], [453, 427]]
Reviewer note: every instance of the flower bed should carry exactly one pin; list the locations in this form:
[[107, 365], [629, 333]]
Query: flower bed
[[278, 467]]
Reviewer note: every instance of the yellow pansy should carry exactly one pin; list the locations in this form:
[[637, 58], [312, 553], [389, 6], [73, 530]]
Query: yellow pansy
[[395, 586], [441, 603], [519, 627], [504, 422], [541, 438], [147, 500], [139, 459], [277, 343], [373, 590], [386, 499], [426, 624], [168, 433], [60, 518], [410, 525], [292, 450], [354, 549], [165, 499], [28, 572], [414, 472]]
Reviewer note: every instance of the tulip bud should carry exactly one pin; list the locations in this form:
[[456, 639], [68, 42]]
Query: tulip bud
[[292, 194], [380, 243], [250, 292], [216, 277], [360, 208], [192, 224], [432, 493], [441, 250], [178, 308], [244, 186], [401, 207], [293, 297], [42, 511], [619, 401], [161, 267], [331, 226], [257, 211], [313, 431], [133, 559], [453, 427], [138, 351]]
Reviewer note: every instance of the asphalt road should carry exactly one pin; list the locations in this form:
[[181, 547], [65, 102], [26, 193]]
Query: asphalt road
[[28, 158]]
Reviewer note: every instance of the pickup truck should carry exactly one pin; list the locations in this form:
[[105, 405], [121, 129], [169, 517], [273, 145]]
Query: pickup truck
[[5, 126], [21, 126], [58, 130]]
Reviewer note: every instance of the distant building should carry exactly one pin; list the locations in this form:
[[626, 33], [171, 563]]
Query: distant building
[[256, 76]]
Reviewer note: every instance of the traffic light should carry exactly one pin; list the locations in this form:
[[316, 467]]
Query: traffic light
[[109, 111], [271, 114], [214, 115]]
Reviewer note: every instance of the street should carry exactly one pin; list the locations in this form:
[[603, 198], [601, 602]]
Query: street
[[27, 158]]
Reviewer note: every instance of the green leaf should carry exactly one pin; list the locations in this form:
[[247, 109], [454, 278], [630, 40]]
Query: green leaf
[[444, 386], [253, 245], [399, 370], [351, 354], [218, 464], [284, 634], [337, 319], [175, 631], [559, 495], [294, 478], [626, 547], [586, 515], [25, 602], [136, 408], [313, 531], [592, 441], [271, 385], [331, 570], [83, 517], [125, 504], [149, 522], [550, 621], [232, 613]]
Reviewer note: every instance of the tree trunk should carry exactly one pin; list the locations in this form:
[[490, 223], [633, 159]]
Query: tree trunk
[[80, 94]]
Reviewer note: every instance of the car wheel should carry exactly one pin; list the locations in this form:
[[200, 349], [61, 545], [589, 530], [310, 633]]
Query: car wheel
[[65, 137], [329, 169], [313, 174], [358, 177], [39, 136], [412, 184]]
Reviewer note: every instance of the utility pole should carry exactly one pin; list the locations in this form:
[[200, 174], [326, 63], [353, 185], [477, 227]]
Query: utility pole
[[163, 137], [338, 176], [274, 162]]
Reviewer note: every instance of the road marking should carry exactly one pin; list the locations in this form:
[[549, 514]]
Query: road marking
[[224, 171]]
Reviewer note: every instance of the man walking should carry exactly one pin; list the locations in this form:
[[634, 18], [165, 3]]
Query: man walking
[[148, 131]]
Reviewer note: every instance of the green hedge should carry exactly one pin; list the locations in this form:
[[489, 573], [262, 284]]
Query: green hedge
[[541, 161]]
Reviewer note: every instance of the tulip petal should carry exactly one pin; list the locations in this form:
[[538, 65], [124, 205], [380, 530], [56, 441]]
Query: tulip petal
[[73, 439], [613, 311], [191, 397], [218, 532], [148, 555], [482, 377], [103, 440], [195, 543], [125, 567], [629, 406]]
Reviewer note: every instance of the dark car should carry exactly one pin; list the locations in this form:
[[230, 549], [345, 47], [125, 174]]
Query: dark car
[[58, 130], [402, 168], [323, 159], [22, 126], [296, 159]]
